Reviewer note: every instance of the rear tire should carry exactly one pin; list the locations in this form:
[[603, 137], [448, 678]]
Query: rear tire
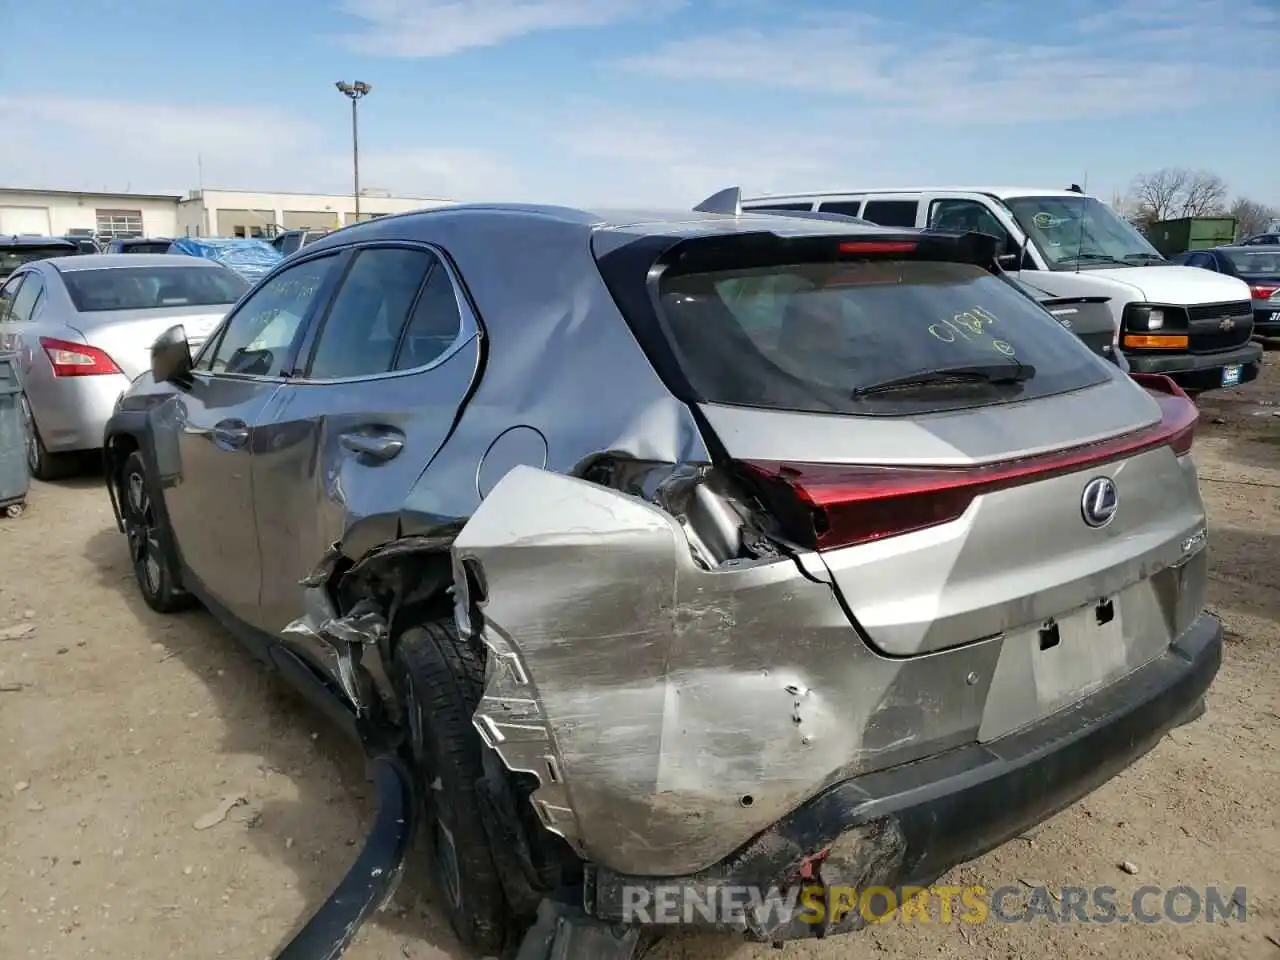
[[41, 464], [440, 679], [147, 535]]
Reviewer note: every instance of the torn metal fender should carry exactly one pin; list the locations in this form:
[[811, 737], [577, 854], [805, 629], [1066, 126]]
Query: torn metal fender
[[372, 880]]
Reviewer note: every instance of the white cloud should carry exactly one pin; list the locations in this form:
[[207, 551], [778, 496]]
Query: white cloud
[[437, 28], [85, 144], [1139, 57], [677, 160]]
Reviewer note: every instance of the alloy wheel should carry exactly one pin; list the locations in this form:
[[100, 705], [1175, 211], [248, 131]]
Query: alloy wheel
[[140, 528], [31, 442]]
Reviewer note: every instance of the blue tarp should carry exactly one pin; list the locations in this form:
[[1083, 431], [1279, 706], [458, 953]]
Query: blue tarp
[[252, 259]]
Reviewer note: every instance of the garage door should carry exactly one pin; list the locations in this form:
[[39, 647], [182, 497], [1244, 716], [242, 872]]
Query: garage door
[[312, 219], [33, 221]]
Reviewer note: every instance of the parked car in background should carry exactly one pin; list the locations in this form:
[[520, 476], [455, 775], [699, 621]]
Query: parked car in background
[[138, 245], [291, 241], [1270, 239], [251, 258], [85, 244], [83, 327], [16, 251], [1258, 265], [1187, 324], [677, 548], [1089, 318]]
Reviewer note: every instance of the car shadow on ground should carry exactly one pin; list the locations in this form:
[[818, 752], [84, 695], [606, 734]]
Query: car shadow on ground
[[264, 717]]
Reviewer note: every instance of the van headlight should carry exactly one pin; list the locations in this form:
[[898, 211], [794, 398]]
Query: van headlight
[[1142, 317]]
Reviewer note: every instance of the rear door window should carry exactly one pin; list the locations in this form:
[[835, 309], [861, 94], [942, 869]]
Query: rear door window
[[24, 304], [7, 294], [808, 337], [892, 213], [849, 208], [369, 313]]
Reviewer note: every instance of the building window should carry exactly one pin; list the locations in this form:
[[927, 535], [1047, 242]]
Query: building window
[[119, 223]]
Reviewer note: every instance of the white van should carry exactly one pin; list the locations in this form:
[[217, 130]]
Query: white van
[[1194, 325]]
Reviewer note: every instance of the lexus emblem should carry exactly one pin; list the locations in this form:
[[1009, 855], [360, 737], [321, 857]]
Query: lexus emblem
[[1226, 323], [1099, 501]]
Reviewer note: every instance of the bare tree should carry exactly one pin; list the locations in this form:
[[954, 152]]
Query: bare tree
[[1176, 192], [1251, 217]]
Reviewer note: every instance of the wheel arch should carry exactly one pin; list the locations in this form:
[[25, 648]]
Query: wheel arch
[[126, 433]]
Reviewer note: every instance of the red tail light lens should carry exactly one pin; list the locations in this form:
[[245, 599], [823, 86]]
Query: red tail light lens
[[826, 506], [77, 359], [1263, 291]]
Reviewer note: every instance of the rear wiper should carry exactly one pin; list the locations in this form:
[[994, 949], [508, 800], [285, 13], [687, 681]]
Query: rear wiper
[[1093, 258], [981, 373]]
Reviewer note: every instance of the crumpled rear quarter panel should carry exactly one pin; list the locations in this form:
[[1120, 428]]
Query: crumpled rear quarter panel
[[671, 712]]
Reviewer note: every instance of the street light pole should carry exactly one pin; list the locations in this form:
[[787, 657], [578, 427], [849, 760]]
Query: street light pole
[[355, 92]]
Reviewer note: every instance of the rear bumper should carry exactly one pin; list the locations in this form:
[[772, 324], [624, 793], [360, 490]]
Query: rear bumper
[[1200, 371], [1266, 319], [72, 412], [908, 825]]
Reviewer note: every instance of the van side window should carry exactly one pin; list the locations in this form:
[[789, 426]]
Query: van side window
[[849, 208], [892, 213], [778, 206], [969, 215]]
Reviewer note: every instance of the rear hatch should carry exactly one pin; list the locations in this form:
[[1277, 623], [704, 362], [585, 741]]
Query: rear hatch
[[1032, 482], [15, 252]]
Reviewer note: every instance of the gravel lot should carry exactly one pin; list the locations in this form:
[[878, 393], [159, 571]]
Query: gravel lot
[[121, 729]]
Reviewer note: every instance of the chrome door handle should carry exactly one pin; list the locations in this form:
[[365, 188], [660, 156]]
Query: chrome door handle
[[377, 446], [231, 434]]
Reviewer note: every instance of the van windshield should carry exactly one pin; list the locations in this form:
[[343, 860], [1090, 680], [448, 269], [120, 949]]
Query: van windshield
[[819, 337], [1080, 231]]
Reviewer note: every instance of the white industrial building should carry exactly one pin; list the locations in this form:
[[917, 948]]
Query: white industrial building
[[201, 213]]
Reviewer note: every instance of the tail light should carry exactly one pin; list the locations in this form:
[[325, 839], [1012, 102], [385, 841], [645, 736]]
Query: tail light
[[1264, 291], [827, 506], [76, 359]]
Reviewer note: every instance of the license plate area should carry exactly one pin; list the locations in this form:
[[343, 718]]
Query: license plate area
[[1050, 666], [1231, 375]]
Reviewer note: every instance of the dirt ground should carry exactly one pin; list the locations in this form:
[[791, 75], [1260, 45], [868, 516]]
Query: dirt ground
[[120, 729]]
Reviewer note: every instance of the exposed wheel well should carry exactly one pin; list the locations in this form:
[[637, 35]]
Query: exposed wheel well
[[415, 587]]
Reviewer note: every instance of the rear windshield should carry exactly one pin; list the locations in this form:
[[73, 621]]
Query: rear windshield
[[807, 337], [1260, 262], [146, 246], [153, 288], [11, 258]]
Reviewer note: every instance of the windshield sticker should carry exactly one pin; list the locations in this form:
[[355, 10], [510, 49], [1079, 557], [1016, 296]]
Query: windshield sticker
[[1045, 220], [968, 325]]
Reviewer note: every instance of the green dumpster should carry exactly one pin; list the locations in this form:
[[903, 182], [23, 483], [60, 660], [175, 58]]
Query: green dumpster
[[1172, 237]]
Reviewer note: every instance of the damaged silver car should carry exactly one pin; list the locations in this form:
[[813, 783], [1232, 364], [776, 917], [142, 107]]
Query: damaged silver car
[[704, 549]]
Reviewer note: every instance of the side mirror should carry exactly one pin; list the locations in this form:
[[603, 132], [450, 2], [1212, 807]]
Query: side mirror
[[171, 356]]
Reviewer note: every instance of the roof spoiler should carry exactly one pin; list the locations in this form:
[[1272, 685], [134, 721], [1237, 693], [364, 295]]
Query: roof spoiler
[[727, 201]]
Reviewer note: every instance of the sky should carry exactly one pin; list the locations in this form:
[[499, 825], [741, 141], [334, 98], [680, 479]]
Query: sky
[[625, 102]]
